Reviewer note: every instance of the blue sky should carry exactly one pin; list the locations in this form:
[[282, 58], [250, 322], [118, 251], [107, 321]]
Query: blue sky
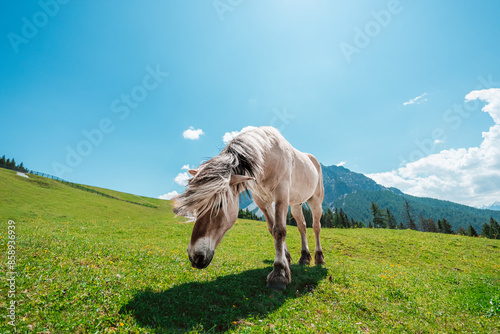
[[120, 82]]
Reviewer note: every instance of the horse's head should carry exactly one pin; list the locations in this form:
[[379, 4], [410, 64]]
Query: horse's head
[[213, 222]]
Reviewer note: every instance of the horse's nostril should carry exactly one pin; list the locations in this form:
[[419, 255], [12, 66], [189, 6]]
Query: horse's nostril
[[201, 259], [198, 259]]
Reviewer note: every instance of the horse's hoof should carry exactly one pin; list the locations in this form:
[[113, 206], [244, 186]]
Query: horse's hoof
[[305, 258], [304, 262], [279, 277], [319, 259]]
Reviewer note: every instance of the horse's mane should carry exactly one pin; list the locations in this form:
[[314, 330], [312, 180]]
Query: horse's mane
[[209, 189]]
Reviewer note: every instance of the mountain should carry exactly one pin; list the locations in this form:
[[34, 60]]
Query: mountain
[[340, 181], [354, 192], [495, 206]]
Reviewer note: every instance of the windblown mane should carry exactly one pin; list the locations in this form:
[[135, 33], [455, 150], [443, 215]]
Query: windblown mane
[[209, 189]]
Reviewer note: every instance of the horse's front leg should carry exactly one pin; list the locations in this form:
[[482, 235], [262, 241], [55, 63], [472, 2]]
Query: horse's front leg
[[280, 276], [269, 214]]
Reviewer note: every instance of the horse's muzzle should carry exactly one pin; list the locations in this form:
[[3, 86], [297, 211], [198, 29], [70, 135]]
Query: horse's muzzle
[[201, 260]]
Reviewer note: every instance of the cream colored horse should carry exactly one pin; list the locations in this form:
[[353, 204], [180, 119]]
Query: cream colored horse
[[262, 161]]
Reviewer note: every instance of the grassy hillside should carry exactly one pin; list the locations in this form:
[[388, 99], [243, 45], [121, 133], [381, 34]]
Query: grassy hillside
[[26, 199], [90, 264]]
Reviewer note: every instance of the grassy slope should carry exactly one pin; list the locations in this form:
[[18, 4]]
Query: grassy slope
[[95, 264], [26, 199]]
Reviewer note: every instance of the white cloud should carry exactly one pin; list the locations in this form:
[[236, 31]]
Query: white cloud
[[192, 133], [438, 141], [469, 176], [228, 136], [169, 195], [186, 167], [182, 179], [340, 164], [417, 100]]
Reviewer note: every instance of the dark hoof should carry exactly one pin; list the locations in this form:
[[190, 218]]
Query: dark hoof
[[279, 278], [319, 258], [305, 258]]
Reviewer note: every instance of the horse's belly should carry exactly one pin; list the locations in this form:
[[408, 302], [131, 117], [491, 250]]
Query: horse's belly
[[304, 183], [299, 197]]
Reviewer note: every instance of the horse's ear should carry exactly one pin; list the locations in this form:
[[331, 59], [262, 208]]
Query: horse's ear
[[193, 172], [237, 179]]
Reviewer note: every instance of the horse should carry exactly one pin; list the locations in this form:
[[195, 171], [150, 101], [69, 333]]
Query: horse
[[263, 162]]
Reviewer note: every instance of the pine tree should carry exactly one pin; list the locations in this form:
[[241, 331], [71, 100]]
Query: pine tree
[[494, 229], [431, 226], [2, 161], [421, 222], [401, 226], [391, 220], [378, 216], [408, 215], [486, 230], [323, 220], [370, 225], [440, 226], [461, 231], [428, 225], [446, 227], [471, 232], [336, 219], [329, 218], [344, 220]]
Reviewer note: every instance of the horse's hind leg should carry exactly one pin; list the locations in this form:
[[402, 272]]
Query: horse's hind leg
[[305, 256], [317, 211]]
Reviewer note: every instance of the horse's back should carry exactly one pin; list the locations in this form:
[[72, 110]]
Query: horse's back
[[289, 167]]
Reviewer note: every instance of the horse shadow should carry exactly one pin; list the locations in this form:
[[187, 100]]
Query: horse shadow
[[220, 304]]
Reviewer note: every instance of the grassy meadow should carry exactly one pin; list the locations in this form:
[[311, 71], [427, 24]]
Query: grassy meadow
[[91, 264]]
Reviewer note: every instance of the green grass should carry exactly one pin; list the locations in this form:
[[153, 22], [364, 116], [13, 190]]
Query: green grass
[[90, 264]]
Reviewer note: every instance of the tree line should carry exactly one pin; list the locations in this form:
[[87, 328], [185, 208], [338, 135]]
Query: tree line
[[247, 214], [11, 164], [385, 219], [330, 219]]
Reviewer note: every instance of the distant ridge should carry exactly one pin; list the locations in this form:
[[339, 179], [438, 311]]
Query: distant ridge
[[354, 192], [495, 206]]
